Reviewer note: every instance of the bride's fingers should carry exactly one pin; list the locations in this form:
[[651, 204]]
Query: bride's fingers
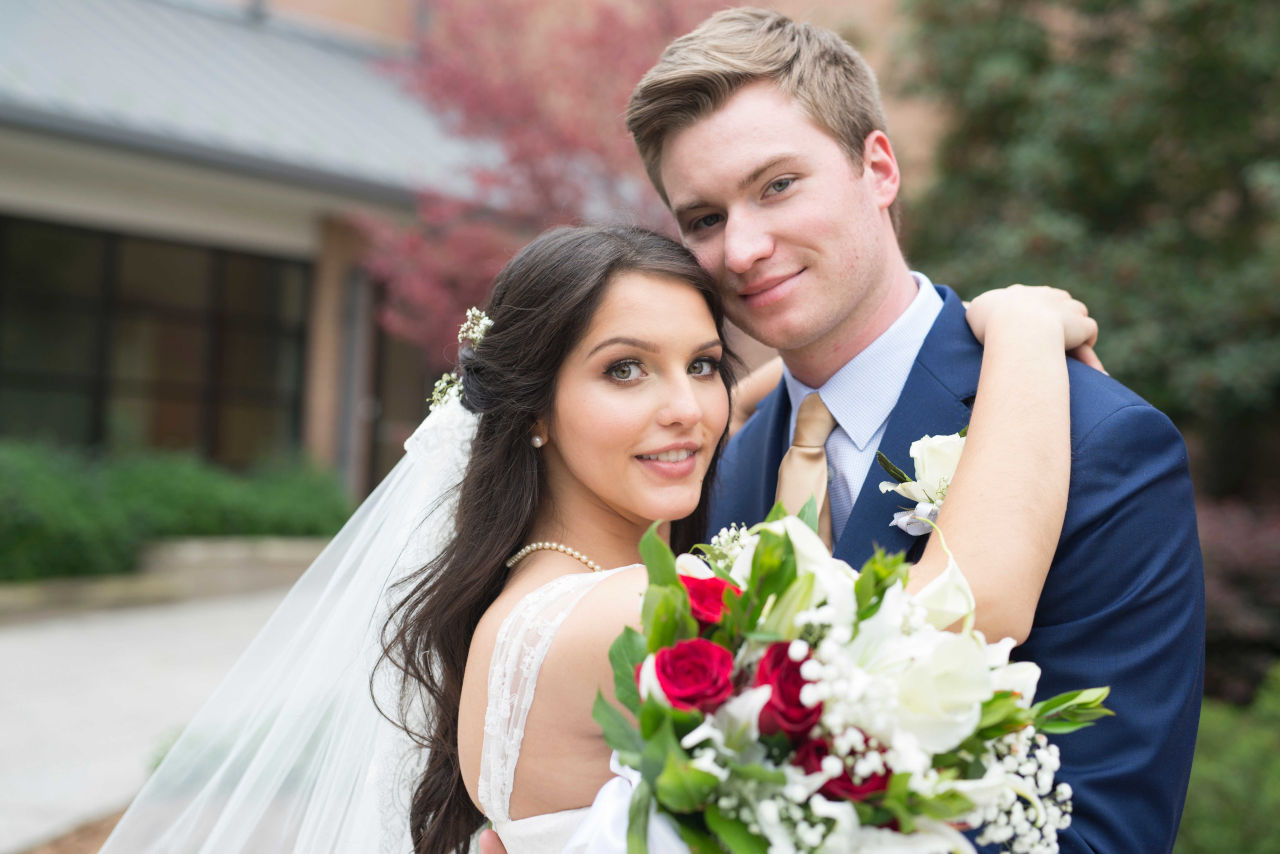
[[1079, 331], [1085, 353], [491, 844]]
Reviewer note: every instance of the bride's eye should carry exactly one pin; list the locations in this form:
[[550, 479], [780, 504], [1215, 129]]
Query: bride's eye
[[704, 367], [625, 371]]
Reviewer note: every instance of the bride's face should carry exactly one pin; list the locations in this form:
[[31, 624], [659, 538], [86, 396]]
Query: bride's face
[[639, 405]]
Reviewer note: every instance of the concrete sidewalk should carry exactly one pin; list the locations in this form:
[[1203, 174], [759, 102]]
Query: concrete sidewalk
[[88, 701]]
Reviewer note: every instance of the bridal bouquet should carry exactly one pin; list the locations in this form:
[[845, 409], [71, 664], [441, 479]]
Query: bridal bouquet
[[783, 702]]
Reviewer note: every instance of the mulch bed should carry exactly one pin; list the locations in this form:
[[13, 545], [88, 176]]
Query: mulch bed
[[85, 839]]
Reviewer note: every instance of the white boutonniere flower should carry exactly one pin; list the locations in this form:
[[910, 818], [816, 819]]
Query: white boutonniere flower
[[935, 459]]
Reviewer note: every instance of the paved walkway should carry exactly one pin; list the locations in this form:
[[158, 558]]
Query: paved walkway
[[88, 701]]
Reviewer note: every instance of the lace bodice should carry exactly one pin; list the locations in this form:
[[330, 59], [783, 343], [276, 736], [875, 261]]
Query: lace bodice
[[519, 650]]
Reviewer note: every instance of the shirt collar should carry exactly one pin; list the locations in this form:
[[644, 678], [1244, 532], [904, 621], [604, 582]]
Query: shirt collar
[[862, 393]]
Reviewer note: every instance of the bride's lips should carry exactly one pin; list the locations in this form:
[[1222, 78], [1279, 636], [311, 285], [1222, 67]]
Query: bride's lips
[[673, 461], [766, 292]]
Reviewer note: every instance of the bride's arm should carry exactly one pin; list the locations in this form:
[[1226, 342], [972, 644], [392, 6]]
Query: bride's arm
[[1003, 512]]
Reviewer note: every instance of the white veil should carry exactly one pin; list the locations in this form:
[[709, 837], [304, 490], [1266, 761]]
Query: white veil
[[290, 754]]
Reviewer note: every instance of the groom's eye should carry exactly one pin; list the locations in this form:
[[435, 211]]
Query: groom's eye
[[704, 222]]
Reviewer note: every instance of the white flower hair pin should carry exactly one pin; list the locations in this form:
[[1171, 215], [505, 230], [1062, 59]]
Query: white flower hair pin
[[935, 458], [449, 386]]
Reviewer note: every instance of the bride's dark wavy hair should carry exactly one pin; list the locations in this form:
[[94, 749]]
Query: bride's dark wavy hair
[[541, 306]]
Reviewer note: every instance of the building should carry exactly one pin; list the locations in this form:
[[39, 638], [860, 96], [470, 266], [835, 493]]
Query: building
[[177, 264]]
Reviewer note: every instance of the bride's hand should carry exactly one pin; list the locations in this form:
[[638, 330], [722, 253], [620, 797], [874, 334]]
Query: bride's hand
[[1017, 302], [491, 844], [752, 389]]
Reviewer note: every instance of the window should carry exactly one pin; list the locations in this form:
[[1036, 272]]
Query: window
[[121, 342]]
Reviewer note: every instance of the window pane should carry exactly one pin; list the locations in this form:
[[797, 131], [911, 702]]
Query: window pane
[[163, 274], [51, 259], [248, 433], [62, 415], [403, 389], [259, 361], [263, 288], [158, 349], [43, 339], [293, 294], [135, 421]]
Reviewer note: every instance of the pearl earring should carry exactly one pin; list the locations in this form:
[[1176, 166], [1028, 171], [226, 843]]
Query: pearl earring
[[537, 441]]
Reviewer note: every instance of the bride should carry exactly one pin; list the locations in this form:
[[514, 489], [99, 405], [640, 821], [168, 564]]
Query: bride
[[603, 393], [497, 562]]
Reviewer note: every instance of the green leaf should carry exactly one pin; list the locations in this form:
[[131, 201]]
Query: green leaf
[[752, 771], [693, 831], [666, 616], [1086, 698], [945, 806], [1071, 711], [652, 715], [626, 653], [680, 787], [733, 834], [1002, 714], [776, 513], [896, 798], [658, 559], [880, 572], [894, 472], [773, 569], [619, 734], [638, 819], [809, 514], [781, 621]]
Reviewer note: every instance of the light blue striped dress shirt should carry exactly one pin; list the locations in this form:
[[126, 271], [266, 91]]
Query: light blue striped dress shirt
[[862, 394]]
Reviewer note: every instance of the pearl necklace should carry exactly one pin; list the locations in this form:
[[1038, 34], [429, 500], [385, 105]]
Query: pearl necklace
[[555, 547]]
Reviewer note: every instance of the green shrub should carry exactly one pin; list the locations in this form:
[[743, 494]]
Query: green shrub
[[172, 495], [1235, 782], [62, 514], [55, 518]]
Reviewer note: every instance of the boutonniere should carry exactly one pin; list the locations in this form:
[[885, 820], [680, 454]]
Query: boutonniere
[[935, 458]]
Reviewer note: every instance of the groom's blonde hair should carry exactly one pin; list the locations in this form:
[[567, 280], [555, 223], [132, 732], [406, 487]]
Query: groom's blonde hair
[[699, 71]]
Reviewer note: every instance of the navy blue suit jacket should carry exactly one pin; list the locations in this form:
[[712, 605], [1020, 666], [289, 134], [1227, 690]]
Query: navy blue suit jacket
[[1123, 604]]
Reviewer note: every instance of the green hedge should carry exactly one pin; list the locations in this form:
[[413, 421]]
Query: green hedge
[[1235, 782], [63, 514]]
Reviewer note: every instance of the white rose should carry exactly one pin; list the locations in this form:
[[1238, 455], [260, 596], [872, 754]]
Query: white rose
[[1021, 677], [693, 566], [936, 458], [940, 694], [734, 725], [648, 683], [947, 597]]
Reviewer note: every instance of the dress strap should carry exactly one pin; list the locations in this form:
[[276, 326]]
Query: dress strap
[[519, 650]]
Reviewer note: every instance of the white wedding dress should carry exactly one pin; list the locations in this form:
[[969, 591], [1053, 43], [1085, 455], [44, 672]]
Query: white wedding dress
[[521, 647]]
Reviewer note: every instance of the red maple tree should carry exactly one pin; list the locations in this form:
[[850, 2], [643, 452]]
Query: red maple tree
[[540, 90]]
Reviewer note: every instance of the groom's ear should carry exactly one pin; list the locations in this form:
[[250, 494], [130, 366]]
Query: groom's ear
[[879, 159]]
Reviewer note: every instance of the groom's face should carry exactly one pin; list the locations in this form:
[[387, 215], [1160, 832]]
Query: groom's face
[[793, 230]]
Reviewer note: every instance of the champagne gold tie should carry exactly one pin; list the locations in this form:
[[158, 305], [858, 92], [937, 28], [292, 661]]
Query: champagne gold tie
[[803, 472]]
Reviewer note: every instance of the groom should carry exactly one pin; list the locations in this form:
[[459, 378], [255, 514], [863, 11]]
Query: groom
[[766, 139], [1123, 604]]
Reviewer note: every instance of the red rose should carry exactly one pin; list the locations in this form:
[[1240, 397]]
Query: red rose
[[809, 756], [694, 674], [706, 597], [784, 712]]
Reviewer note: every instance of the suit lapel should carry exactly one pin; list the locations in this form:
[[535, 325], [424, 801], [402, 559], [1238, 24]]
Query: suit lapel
[[935, 400], [776, 409]]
